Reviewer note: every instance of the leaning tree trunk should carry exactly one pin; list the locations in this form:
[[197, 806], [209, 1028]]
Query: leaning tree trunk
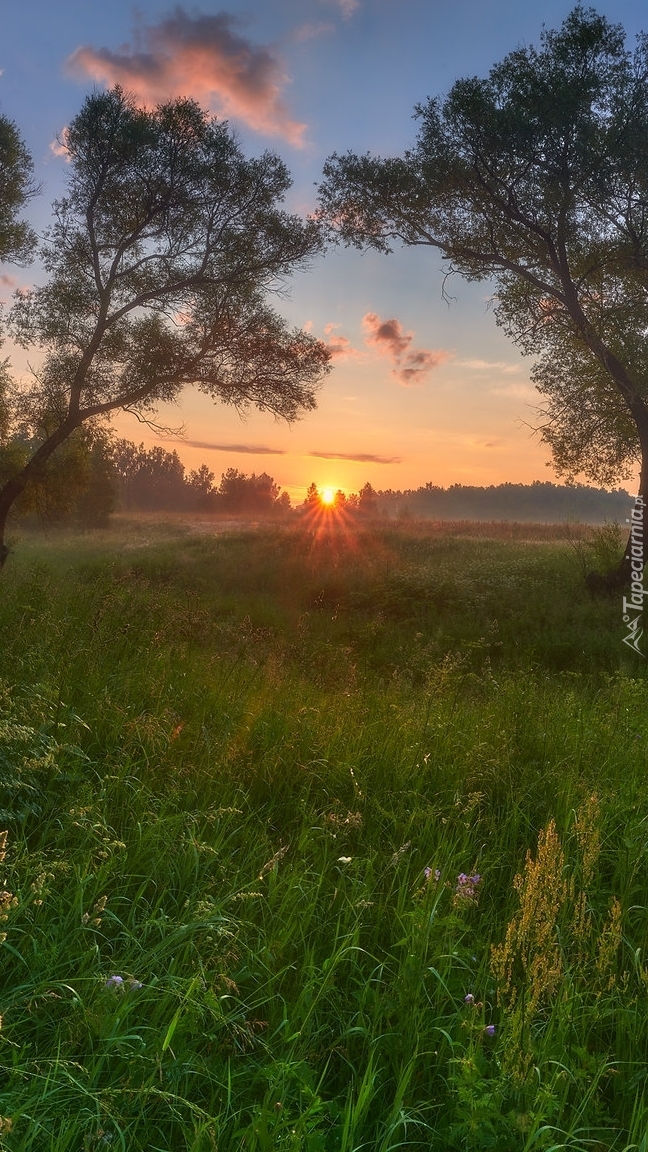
[[32, 470]]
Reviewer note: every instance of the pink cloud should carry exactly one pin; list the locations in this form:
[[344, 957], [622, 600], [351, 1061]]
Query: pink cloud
[[386, 335], [200, 56], [338, 345], [59, 146], [411, 365], [9, 285], [417, 364]]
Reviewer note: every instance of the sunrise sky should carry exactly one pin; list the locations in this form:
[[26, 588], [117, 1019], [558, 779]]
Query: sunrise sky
[[421, 390]]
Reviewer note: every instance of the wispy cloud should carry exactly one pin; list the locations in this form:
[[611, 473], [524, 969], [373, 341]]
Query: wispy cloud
[[311, 31], [411, 365], [347, 7], [516, 391], [489, 365], [359, 457], [201, 56], [249, 449]]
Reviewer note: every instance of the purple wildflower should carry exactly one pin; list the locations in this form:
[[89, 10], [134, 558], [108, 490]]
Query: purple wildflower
[[427, 872], [114, 982], [466, 887], [469, 998], [489, 1030]]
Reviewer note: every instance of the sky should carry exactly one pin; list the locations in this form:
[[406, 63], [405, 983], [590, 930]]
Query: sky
[[422, 389]]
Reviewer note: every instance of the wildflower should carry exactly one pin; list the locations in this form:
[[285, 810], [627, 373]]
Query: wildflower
[[489, 1030], [345, 859], [134, 985], [531, 956], [466, 888], [427, 872], [469, 998], [114, 982]]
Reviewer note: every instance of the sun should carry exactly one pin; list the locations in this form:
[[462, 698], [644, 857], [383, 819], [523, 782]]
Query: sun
[[327, 496]]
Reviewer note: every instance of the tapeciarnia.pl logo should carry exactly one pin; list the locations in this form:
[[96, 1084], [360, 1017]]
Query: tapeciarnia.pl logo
[[633, 605]]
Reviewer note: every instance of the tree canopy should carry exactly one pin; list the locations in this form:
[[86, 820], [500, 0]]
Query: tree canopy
[[16, 186], [159, 262], [536, 177]]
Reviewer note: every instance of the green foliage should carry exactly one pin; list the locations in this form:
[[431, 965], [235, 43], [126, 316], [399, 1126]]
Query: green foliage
[[17, 239], [159, 263], [76, 485], [251, 495], [155, 479], [150, 479], [535, 177], [231, 767], [606, 545]]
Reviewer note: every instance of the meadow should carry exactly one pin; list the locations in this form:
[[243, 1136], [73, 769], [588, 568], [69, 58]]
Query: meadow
[[320, 842]]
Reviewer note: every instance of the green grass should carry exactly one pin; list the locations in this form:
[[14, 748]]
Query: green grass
[[225, 765]]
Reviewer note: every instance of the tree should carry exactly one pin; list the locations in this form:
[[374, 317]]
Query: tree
[[16, 186], [77, 484], [537, 178], [155, 480], [159, 261], [248, 495], [367, 500], [201, 486], [97, 500], [313, 499]]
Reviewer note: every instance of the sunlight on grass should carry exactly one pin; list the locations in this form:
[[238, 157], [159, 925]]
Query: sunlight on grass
[[319, 845]]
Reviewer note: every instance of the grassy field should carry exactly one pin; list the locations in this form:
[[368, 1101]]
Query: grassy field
[[324, 843]]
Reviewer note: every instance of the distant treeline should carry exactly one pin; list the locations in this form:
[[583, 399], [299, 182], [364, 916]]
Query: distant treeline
[[154, 480], [540, 501], [95, 473]]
